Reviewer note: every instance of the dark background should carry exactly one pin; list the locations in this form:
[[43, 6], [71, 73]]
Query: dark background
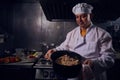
[[25, 24], [28, 25]]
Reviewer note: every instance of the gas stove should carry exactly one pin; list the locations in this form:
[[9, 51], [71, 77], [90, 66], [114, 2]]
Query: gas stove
[[44, 70], [43, 63]]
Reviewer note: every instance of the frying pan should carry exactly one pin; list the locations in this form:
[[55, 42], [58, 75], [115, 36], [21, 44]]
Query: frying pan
[[66, 71]]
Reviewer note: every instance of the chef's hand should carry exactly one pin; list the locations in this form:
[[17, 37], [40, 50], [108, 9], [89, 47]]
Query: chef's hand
[[88, 62], [48, 54], [87, 70]]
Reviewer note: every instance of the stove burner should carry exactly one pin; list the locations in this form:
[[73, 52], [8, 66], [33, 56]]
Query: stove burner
[[44, 61]]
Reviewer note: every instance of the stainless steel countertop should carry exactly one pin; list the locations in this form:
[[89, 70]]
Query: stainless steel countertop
[[24, 63]]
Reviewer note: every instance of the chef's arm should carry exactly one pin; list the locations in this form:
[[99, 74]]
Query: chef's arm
[[64, 45], [107, 55]]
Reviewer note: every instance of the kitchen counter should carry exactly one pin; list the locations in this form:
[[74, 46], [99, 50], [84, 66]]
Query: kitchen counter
[[22, 70], [24, 63], [17, 65], [17, 71]]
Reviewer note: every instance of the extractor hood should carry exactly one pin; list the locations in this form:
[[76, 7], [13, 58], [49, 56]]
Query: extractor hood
[[61, 10]]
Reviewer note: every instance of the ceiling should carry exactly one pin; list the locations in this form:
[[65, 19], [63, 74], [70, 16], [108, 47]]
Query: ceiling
[[61, 10]]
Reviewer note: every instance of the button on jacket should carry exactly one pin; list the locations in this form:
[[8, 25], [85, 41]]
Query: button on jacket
[[95, 45]]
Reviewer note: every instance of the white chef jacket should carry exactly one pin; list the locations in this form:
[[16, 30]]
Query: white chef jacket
[[96, 45]]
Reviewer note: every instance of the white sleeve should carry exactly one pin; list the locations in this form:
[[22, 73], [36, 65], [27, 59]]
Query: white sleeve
[[106, 59], [64, 45]]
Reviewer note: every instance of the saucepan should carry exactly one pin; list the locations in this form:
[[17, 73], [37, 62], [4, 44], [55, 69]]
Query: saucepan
[[69, 70]]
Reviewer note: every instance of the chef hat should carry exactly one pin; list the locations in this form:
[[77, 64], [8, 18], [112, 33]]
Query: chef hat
[[82, 8]]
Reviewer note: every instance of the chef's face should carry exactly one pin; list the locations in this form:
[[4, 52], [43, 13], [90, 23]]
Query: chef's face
[[83, 20]]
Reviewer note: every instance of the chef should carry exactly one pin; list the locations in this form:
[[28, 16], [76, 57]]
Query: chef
[[91, 42]]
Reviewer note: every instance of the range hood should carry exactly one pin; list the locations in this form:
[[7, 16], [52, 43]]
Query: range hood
[[61, 10]]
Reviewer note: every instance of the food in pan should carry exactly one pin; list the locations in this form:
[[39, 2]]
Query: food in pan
[[67, 60]]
